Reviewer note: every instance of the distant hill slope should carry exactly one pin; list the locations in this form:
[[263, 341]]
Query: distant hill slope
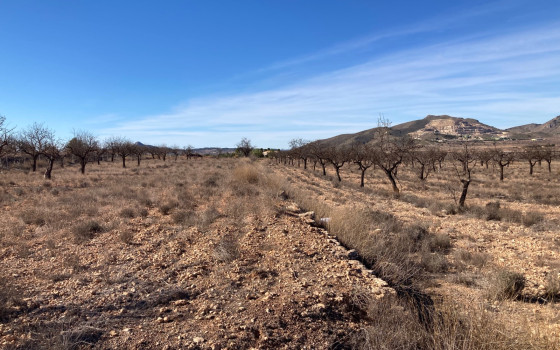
[[548, 129], [431, 127]]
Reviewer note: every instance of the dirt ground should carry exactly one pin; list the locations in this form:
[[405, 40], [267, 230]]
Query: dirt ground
[[524, 238], [222, 254], [185, 257]]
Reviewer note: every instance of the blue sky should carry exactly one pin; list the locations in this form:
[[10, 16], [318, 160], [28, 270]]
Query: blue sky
[[207, 73]]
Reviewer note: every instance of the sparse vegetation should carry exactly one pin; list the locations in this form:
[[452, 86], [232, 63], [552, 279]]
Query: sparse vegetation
[[506, 285], [213, 228]]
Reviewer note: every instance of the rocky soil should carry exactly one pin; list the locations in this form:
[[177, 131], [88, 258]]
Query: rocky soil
[[273, 281], [481, 248]]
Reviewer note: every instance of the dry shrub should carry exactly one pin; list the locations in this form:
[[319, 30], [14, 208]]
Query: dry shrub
[[72, 261], [532, 218], [76, 337], [33, 217], [463, 278], [493, 211], [227, 249], [506, 285], [382, 242], [9, 298], [126, 236], [186, 200], [418, 202], [391, 325], [207, 217], [439, 242], [212, 181], [552, 286], [443, 208], [434, 262], [127, 213], [246, 173], [86, 231], [184, 217], [165, 208], [477, 259]]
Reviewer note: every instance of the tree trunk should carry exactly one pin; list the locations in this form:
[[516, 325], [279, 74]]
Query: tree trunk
[[338, 173], [549, 166], [362, 177], [123, 161], [389, 174], [501, 172], [49, 169], [83, 165], [34, 166], [324, 169], [531, 166], [138, 159], [305, 163], [421, 174], [466, 184]]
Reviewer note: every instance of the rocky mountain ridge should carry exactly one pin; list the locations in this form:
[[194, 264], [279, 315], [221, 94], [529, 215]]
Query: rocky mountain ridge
[[445, 127]]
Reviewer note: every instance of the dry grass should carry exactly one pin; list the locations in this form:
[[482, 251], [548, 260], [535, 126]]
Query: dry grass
[[184, 202], [506, 285], [406, 254]]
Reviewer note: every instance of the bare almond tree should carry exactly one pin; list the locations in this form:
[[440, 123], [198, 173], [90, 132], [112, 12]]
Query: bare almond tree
[[163, 151], [299, 150], [319, 154], [32, 141], [548, 155], [83, 145], [175, 151], [111, 145], [426, 158], [466, 160], [533, 155], [337, 157], [188, 152], [389, 152], [503, 159], [124, 148], [245, 147], [362, 155], [52, 150], [138, 150], [5, 135]]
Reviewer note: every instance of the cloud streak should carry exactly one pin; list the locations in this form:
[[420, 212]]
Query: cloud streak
[[503, 80]]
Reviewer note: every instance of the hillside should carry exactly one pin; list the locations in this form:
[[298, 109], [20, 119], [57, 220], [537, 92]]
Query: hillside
[[430, 127], [440, 127], [550, 128]]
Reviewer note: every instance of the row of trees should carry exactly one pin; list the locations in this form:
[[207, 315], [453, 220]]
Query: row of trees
[[38, 141], [388, 153]]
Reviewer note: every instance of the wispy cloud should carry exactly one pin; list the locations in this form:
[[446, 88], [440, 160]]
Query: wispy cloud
[[504, 79]]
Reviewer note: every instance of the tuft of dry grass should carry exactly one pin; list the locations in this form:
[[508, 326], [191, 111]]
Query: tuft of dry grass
[[552, 286], [506, 284], [246, 173], [227, 249], [127, 213], [86, 231]]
